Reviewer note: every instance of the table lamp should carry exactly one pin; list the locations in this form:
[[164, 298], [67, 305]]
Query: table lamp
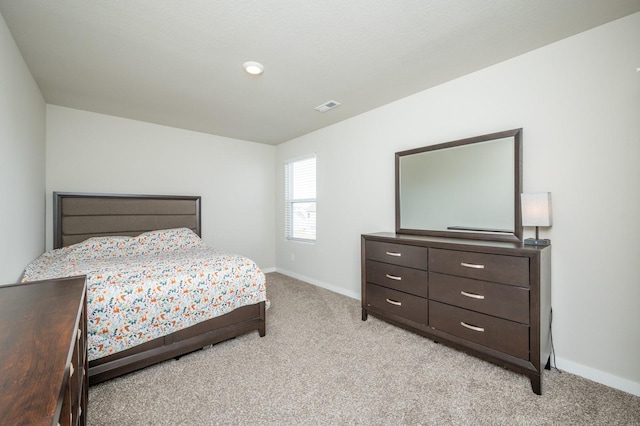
[[536, 211]]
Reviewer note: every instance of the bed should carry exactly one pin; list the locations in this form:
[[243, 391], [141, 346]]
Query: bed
[[155, 291]]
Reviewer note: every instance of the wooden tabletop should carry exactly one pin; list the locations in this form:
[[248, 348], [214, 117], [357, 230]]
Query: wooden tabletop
[[38, 321]]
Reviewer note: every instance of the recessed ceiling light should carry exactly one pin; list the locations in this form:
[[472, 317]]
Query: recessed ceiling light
[[252, 67]]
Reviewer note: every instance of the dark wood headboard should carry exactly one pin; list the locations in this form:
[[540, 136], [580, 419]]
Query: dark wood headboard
[[78, 216]]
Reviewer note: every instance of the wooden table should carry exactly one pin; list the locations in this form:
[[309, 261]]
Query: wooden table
[[43, 355]]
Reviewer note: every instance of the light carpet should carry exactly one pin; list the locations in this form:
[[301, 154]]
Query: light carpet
[[320, 364]]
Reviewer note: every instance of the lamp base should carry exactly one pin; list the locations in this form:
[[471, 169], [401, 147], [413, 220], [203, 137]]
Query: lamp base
[[536, 242]]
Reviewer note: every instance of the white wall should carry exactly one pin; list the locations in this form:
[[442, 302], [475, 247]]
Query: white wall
[[578, 101], [22, 151], [88, 152]]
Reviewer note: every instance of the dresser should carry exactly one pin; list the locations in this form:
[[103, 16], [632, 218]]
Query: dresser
[[43, 353], [489, 299]]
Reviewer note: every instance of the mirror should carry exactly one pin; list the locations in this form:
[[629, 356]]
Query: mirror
[[468, 188]]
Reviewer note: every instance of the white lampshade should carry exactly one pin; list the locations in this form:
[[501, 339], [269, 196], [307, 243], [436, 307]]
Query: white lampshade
[[536, 209]]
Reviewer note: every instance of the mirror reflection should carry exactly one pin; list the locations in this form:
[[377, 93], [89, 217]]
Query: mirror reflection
[[468, 188]]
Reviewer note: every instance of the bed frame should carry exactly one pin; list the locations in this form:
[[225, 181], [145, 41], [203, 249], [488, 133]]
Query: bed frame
[[78, 216]]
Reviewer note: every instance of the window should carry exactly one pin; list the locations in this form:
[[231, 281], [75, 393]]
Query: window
[[300, 199]]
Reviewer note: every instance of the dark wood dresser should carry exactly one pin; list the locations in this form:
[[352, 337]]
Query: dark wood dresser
[[490, 299], [43, 355]]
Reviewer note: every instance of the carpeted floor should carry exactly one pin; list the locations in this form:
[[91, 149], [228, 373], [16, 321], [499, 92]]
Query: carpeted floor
[[320, 364]]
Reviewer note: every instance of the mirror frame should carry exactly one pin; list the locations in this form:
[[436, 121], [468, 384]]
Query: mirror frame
[[516, 235]]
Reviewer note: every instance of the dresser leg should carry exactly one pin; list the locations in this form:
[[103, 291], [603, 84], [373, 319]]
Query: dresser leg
[[364, 314], [536, 383]]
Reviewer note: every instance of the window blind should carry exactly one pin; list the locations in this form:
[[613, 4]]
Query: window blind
[[300, 199]]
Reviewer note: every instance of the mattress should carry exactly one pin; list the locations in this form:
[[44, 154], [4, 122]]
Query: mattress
[[145, 287]]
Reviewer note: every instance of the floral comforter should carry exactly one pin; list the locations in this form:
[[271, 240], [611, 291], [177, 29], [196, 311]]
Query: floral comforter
[[141, 288]]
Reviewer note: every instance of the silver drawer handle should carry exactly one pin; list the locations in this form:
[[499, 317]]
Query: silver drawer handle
[[471, 295], [394, 253], [472, 265], [393, 302], [393, 277], [470, 327]]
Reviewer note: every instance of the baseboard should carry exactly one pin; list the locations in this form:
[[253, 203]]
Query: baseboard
[[315, 282], [598, 376], [268, 270]]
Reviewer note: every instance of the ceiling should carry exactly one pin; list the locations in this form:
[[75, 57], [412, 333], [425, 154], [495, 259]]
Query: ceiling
[[179, 63]]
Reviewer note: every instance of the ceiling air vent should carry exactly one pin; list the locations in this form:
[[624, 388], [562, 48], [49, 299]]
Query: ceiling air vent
[[327, 106]]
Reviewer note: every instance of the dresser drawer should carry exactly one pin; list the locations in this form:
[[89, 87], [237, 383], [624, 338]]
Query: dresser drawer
[[511, 270], [499, 300], [402, 304], [397, 254], [505, 336], [409, 280]]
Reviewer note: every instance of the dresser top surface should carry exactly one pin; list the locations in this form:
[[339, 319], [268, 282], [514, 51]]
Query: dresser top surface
[[38, 321], [460, 243]]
